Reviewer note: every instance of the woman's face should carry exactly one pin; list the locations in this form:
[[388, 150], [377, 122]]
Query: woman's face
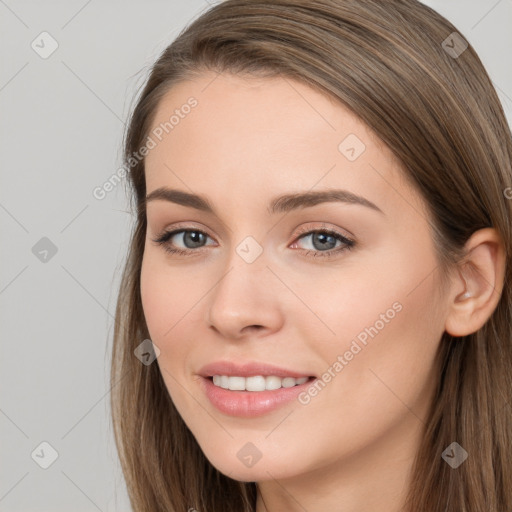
[[358, 308]]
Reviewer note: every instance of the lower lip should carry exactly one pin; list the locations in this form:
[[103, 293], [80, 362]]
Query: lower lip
[[249, 404]]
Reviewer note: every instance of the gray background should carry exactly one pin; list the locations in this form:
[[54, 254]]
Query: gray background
[[61, 128]]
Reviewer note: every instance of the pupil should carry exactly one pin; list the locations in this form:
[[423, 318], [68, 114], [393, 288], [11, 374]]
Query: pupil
[[194, 237], [323, 238]]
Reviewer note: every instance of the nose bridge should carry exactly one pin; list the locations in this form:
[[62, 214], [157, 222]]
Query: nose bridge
[[244, 295], [245, 276]]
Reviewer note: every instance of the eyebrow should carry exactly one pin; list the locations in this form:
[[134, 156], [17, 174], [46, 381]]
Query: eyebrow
[[280, 204]]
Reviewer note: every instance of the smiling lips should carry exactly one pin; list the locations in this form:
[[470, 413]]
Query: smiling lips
[[250, 389]]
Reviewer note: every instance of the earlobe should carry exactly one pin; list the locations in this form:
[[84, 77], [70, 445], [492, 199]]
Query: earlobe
[[477, 289]]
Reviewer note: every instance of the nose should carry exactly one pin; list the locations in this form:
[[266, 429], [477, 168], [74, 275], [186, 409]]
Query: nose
[[245, 301]]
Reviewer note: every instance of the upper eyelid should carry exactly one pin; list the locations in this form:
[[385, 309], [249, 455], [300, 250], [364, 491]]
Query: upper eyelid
[[335, 231]]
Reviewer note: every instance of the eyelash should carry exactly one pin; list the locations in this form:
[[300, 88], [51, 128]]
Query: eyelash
[[164, 238]]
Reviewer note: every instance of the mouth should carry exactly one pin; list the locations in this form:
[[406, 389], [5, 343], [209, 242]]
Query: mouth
[[257, 383], [253, 395]]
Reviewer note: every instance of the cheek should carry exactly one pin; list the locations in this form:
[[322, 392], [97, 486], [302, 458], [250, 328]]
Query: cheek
[[168, 307], [381, 382], [391, 290], [155, 302], [171, 303], [384, 316], [167, 298], [388, 338]]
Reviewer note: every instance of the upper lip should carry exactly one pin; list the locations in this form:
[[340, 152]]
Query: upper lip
[[248, 370]]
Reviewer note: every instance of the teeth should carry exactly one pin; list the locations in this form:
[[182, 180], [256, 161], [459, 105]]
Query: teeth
[[257, 383]]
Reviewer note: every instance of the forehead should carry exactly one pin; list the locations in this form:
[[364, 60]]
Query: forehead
[[267, 134]]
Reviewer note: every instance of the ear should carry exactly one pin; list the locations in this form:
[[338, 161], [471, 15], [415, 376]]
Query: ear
[[476, 290]]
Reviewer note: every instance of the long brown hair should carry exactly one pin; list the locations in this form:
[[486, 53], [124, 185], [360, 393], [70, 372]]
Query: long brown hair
[[393, 64]]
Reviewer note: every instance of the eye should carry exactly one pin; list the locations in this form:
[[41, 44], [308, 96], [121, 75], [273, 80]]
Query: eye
[[322, 243], [190, 238]]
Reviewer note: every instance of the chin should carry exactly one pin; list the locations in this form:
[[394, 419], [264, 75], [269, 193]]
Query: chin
[[237, 465]]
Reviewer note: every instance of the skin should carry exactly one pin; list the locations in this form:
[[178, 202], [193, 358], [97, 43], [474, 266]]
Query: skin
[[249, 139]]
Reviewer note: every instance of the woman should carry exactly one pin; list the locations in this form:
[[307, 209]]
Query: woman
[[315, 311]]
